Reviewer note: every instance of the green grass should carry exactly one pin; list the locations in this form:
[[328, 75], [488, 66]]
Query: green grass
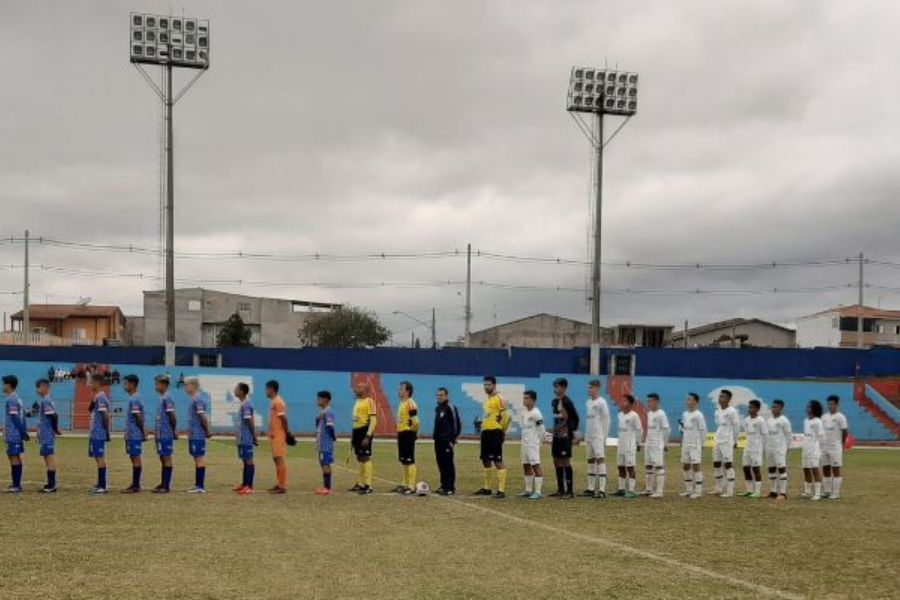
[[72, 545]]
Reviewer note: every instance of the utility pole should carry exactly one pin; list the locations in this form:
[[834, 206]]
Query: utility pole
[[685, 333], [26, 317], [433, 330], [859, 320], [595, 267], [170, 224], [468, 293]]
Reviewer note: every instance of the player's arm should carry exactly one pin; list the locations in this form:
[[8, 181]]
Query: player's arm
[[173, 420], [503, 416], [251, 423], [735, 427], [12, 413], [204, 421], [107, 418], [373, 422], [139, 421], [844, 431], [639, 430], [457, 425], [574, 419], [329, 428], [414, 416], [665, 432]]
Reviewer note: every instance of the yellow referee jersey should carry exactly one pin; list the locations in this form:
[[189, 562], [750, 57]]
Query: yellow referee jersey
[[495, 416], [408, 416], [363, 410]]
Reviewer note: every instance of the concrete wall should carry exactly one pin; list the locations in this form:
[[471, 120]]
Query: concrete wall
[[539, 331], [818, 331], [759, 335]]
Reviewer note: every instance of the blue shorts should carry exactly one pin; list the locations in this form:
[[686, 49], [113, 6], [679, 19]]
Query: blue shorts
[[326, 458], [245, 452], [197, 448], [96, 448], [48, 449], [134, 448], [15, 448], [164, 448]]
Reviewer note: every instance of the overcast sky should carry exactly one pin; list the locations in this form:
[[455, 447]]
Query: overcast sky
[[766, 131]]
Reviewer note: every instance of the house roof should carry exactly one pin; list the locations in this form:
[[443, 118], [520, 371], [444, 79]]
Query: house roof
[[727, 324], [508, 323], [853, 310], [64, 311]]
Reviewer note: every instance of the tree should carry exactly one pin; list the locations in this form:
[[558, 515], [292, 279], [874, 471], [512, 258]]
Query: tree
[[234, 333], [345, 327]]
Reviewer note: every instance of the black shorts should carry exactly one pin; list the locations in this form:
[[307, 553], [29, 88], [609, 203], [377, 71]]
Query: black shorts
[[492, 445], [406, 447], [561, 448], [359, 434]]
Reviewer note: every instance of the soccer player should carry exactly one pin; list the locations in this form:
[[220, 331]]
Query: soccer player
[[447, 427], [655, 447], [777, 444], [135, 436], [48, 429], [325, 437], [751, 459], [728, 424], [494, 423], [166, 433], [365, 419], [246, 438], [565, 424], [280, 436], [198, 433], [813, 435], [407, 431], [835, 424], [99, 435], [16, 431], [596, 432], [693, 437], [532, 424], [631, 431]]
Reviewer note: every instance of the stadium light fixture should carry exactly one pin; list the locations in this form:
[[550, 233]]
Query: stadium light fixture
[[169, 41], [599, 91]]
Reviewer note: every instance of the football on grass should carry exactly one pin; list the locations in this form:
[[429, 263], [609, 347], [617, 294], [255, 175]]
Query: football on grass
[[422, 489]]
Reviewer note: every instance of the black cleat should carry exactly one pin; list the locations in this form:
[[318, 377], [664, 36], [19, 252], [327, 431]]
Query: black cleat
[[599, 494], [588, 493], [398, 489], [365, 490], [356, 488], [483, 492], [773, 494], [499, 495]]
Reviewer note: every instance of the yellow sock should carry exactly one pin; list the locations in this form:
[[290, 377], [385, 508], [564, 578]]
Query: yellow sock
[[361, 475], [488, 478], [367, 473], [404, 477], [411, 478], [501, 480]]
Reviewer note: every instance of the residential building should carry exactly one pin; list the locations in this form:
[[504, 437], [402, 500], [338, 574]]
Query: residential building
[[644, 336], [68, 324], [837, 327], [537, 331], [737, 333]]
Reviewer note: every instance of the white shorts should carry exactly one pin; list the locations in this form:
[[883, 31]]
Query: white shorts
[[596, 449], [653, 456], [811, 460], [626, 458], [691, 455], [531, 454], [776, 458], [832, 456], [752, 458], [723, 453]]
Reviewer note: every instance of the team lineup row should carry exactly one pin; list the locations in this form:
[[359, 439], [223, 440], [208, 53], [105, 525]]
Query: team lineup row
[[769, 438]]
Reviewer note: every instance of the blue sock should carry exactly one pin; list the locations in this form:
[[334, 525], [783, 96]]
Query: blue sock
[[327, 480], [17, 476], [200, 477], [166, 477], [101, 478], [244, 477], [51, 479], [251, 471], [136, 477]]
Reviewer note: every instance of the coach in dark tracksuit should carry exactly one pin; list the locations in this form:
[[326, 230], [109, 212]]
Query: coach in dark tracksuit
[[447, 428]]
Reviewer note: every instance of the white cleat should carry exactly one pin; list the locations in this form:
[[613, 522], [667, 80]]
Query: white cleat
[[816, 498], [196, 490], [656, 495], [834, 497], [695, 496], [726, 495], [686, 494]]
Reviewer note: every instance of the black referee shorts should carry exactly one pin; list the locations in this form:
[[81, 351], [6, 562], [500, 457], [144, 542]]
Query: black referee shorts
[[492, 445], [406, 447], [561, 448], [356, 439]]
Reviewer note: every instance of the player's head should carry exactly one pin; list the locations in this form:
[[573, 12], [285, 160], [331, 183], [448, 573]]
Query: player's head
[[490, 384], [560, 385], [361, 389], [833, 402], [442, 395], [627, 403], [594, 388], [42, 387], [323, 398], [653, 401], [241, 390], [529, 398], [405, 391], [724, 398], [130, 383], [97, 382], [777, 407], [10, 383], [753, 407], [161, 383], [692, 400], [814, 409], [271, 388], [191, 385]]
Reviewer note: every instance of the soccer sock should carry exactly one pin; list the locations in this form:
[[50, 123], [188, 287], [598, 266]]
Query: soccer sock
[[773, 482], [404, 475], [200, 477], [836, 485], [729, 481], [361, 476], [529, 483], [560, 481], [649, 480], [136, 477], [569, 474], [622, 480], [538, 484], [757, 487], [601, 477], [748, 481], [166, 477], [698, 482], [101, 478], [326, 480], [17, 476], [591, 476], [631, 484], [281, 474], [251, 471], [244, 476], [720, 485], [488, 478], [368, 470], [817, 488], [783, 483], [660, 480], [807, 488], [413, 475], [826, 484], [501, 480], [51, 479]]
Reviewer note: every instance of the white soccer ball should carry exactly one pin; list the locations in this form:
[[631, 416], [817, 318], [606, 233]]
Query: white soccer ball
[[422, 489]]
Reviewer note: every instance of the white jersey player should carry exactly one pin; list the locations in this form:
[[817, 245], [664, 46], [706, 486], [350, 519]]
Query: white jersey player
[[751, 460], [531, 422], [693, 437], [728, 425], [813, 435], [631, 431], [836, 431], [596, 432], [778, 442], [656, 439]]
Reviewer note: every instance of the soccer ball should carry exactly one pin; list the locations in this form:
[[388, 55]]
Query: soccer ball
[[422, 489]]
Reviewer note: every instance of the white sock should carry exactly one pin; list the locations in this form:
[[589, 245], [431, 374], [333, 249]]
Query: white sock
[[529, 483], [757, 487], [807, 488], [591, 476], [817, 488], [782, 483], [836, 486], [601, 477], [651, 477], [698, 482], [729, 481], [538, 484], [749, 484], [660, 480], [622, 480], [688, 481], [826, 484], [720, 483], [631, 484], [773, 482]]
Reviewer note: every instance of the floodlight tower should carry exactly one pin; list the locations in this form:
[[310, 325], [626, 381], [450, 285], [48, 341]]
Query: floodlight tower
[[599, 92], [168, 42]]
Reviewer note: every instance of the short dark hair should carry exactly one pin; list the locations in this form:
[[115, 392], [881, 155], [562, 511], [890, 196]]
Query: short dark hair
[[131, 378], [694, 395], [815, 407], [756, 403], [244, 387], [41, 382], [653, 395], [11, 380], [324, 394], [628, 398], [443, 389], [408, 386], [562, 381], [594, 383], [778, 401], [531, 394], [273, 385], [834, 398], [490, 379], [727, 393]]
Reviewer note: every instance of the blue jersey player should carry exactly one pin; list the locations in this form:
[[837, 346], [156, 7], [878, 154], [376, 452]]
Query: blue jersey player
[[16, 431], [246, 438], [48, 429], [135, 435], [198, 433], [166, 432], [325, 437], [99, 435]]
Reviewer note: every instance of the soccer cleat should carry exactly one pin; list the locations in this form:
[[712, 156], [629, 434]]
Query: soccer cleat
[[499, 495], [773, 494], [238, 487], [619, 493], [160, 490], [754, 496], [744, 494], [631, 495], [825, 495], [12, 490], [555, 495], [99, 491], [695, 496], [833, 496], [398, 489], [322, 491], [129, 490], [806, 495], [366, 490], [408, 491], [587, 493], [715, 492], [726, 495], [356, 487], [245, 491], [525, 494], [686, 494], [656, 495], [277, 490], [48, 489], [196, 490], [483, 492], [599, 494], [816, 498], [646, 493], [535, 496], [450, 493]]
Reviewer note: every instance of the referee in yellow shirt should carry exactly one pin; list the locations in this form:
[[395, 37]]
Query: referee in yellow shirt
[[364, 422], [494, 424], [407, 432]]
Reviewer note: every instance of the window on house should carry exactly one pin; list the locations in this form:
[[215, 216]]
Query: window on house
[[194, 305], [243, 307]]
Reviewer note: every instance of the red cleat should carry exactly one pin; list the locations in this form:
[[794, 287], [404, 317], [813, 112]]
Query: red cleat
[[322, 491], [245, 491], [238, 487]]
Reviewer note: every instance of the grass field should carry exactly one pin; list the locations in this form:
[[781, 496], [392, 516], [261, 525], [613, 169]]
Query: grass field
[[73, 545]]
